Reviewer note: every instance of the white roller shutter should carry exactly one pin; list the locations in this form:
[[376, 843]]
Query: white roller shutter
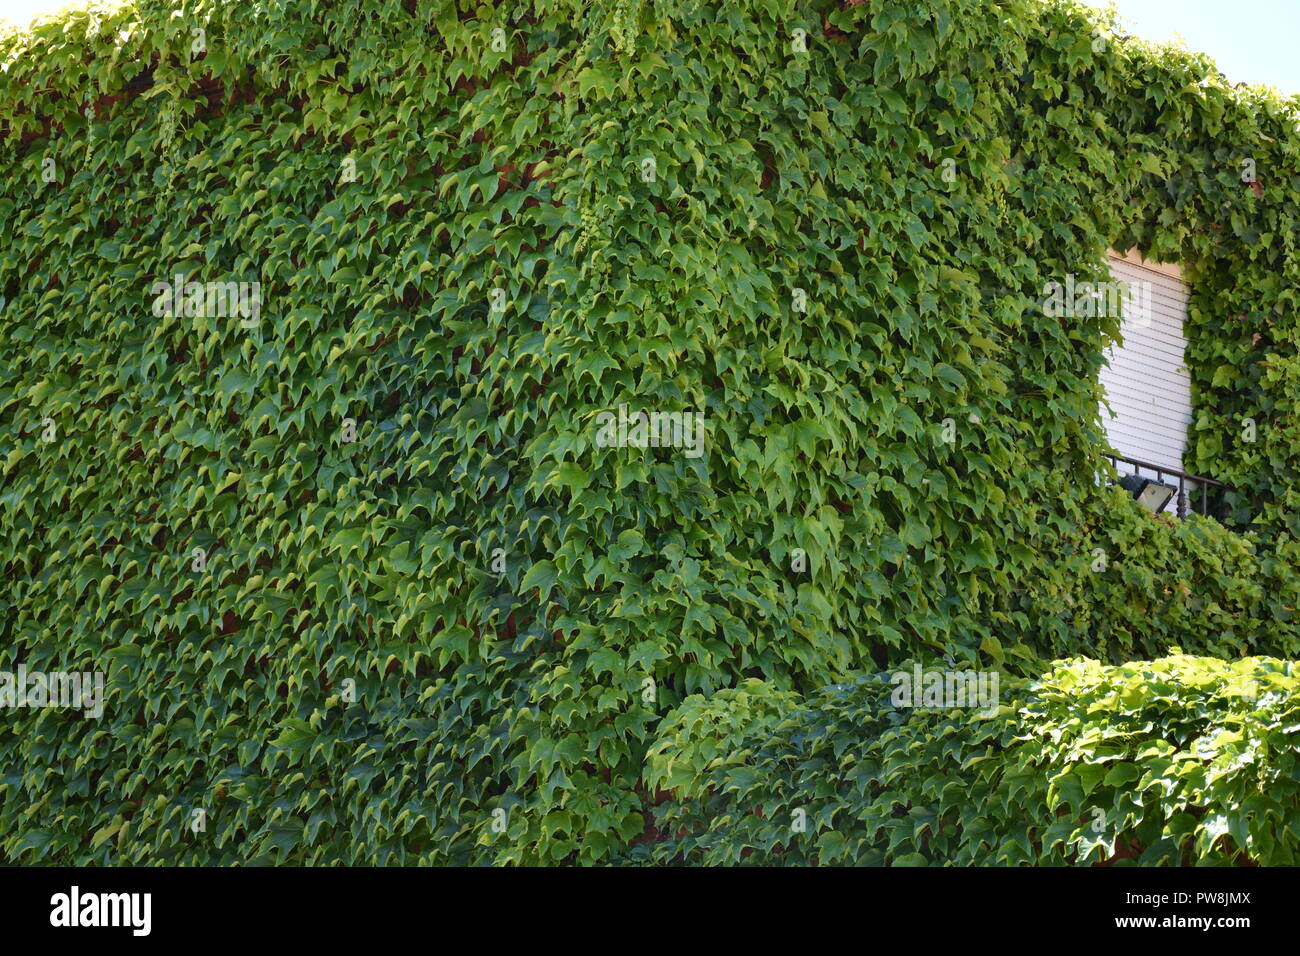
[[1146, 383]]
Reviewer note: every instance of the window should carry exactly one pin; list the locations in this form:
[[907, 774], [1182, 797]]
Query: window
[[1146, 382]]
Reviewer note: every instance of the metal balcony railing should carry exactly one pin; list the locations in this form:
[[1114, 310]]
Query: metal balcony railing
[[1183, 505]]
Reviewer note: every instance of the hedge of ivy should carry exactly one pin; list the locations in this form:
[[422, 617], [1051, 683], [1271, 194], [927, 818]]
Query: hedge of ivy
[[1177, 761], [363, 586]]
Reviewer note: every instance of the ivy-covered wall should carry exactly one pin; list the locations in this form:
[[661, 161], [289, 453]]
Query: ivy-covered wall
[[364, 585]]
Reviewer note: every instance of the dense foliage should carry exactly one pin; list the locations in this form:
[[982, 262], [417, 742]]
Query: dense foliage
[[1176, 761], [365, 588]]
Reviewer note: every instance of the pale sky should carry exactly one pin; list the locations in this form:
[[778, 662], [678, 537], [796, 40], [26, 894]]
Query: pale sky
[[1253, 41], [22, 11]]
